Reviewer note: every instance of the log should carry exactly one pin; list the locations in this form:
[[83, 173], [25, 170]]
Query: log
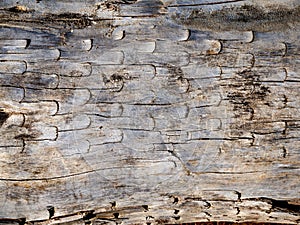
[[149, 111]]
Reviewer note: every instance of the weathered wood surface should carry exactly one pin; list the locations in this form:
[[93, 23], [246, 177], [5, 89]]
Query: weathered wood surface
[[149, 111]]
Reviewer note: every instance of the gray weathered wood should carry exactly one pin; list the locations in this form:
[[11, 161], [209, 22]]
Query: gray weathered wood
[[149, 111]]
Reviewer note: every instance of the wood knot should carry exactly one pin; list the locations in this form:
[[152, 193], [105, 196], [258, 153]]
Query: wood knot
[[115, 83]]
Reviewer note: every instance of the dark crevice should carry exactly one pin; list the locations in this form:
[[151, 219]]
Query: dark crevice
[[285, 206], [206, 3], [239, 195], [51, 211], [175, 200], [177, 217], [89, 215], [284, 152], [18, 9], [3, 117], [113, 204], [145, 207], [22, 221], [279, 205]]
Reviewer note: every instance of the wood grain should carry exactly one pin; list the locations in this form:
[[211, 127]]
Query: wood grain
[[149, 111]]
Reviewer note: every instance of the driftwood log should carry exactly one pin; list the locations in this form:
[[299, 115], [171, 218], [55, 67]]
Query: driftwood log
[[149, 111]]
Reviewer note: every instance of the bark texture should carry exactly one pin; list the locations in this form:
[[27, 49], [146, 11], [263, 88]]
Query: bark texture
[[149, 111]]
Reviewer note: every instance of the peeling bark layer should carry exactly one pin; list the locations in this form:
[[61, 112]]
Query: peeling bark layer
[[149, 111]]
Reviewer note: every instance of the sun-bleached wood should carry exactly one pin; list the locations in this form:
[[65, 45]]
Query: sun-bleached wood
[[149, 111]]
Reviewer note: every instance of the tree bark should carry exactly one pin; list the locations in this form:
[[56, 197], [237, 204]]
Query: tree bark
[[149, 111]]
